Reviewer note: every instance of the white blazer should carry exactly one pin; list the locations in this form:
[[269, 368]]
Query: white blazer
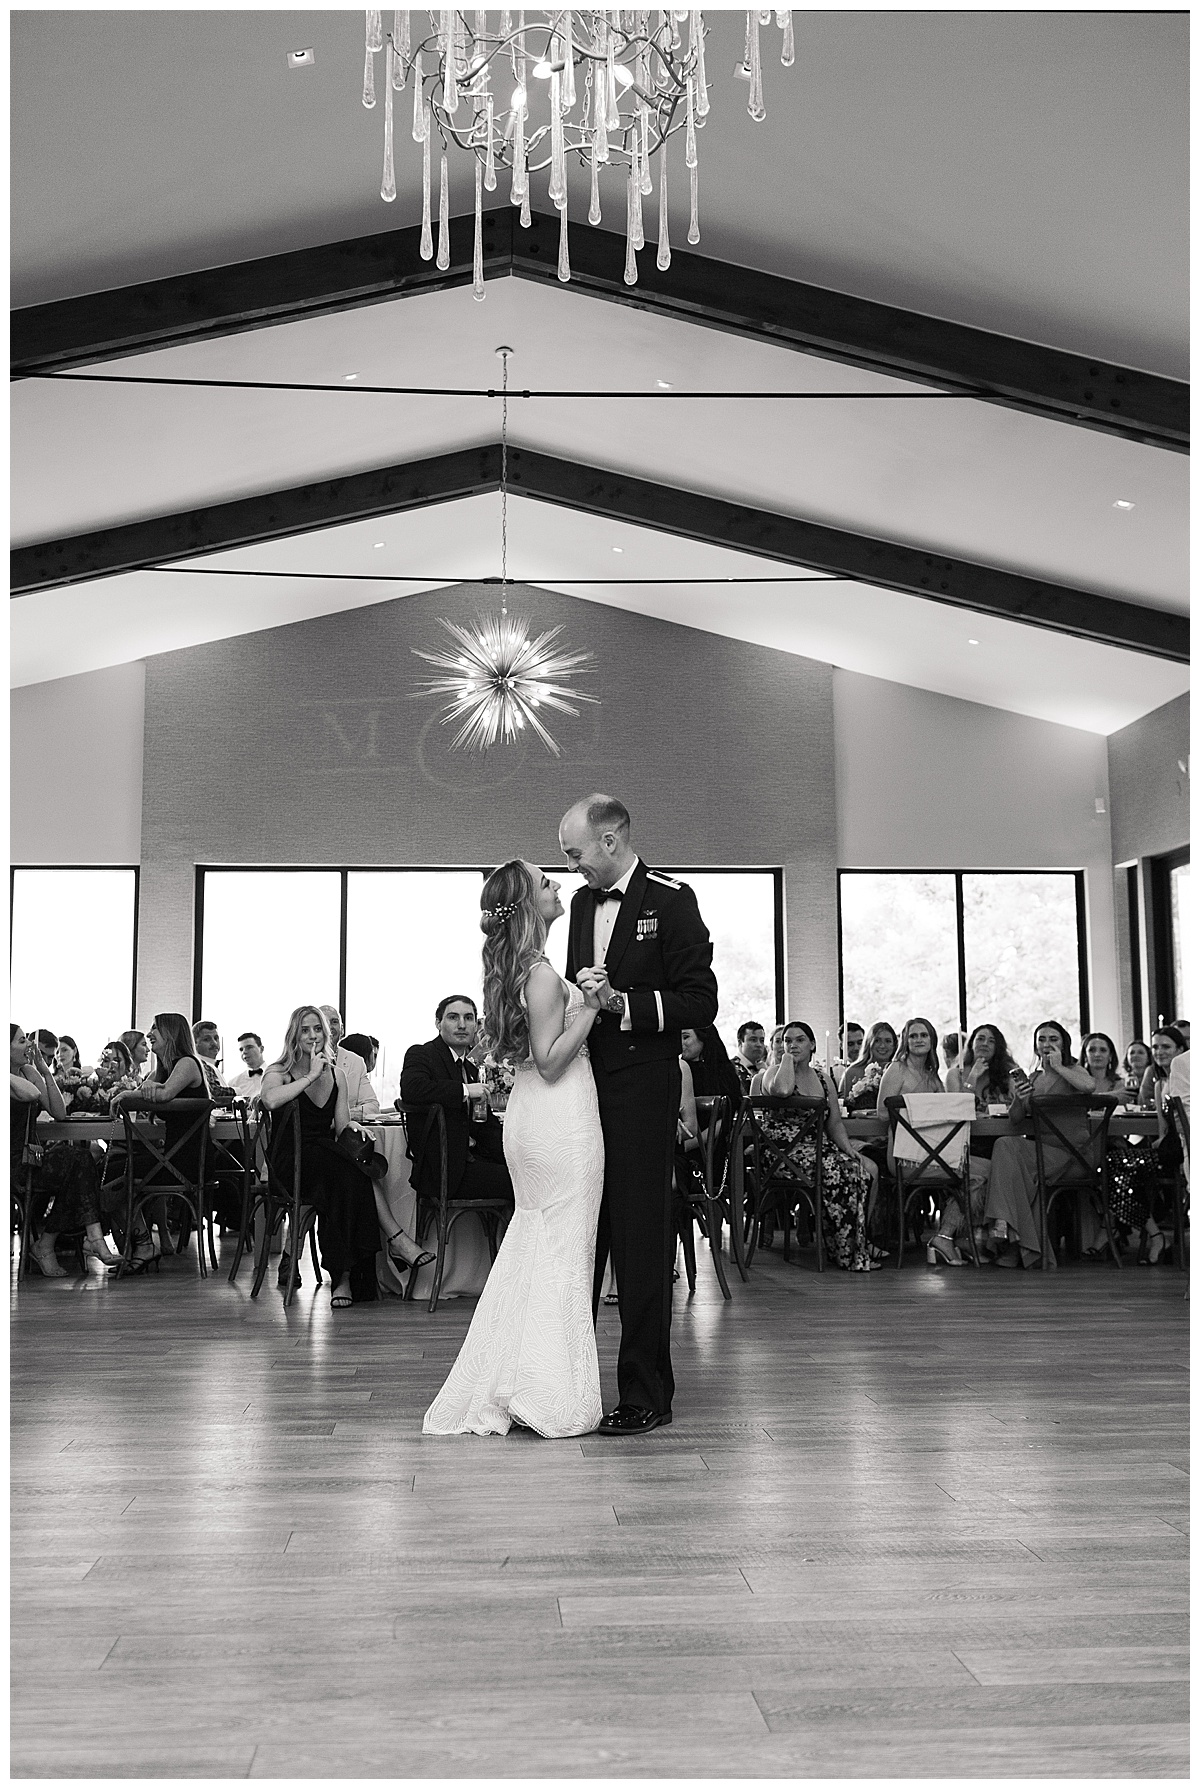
[[359, 1091]]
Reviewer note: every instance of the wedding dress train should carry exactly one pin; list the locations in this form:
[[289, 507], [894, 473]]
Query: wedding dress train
[[530, 1353]]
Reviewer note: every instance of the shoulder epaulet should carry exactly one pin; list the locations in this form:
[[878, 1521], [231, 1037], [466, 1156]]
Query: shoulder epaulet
[[667, 881]]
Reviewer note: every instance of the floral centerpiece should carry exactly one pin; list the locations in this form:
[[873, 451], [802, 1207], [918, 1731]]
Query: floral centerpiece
[[498, 1077], [865, 1092]]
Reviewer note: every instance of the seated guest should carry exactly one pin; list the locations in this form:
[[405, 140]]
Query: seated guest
[[849, 1178], [1012, 1200], [951, 1046], [341, 1193], [1165, 1044], [438, 1073], [364, 1102], [178, 1074], [860, 1083], [751, 1052], [1127, 1204], [774, 1057], [65, 1182], [986, 1069], [1179, 1086], [711, 1073], [114, 1073], [914, 1068], [248, 1085], [207, 1040], [1137, 1060], [357, 1043], [139, 1051], [850, 1043], [1184, 1028], [62, 1054]]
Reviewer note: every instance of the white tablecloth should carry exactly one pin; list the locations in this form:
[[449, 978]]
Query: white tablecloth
[[467, 1258]]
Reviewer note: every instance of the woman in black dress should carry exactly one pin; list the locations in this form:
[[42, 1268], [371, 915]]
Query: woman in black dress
[[341, 1193]]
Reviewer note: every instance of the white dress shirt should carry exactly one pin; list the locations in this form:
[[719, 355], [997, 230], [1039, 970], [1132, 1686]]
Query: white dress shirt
[[603, 922], [248, 1084], [359, 1091]]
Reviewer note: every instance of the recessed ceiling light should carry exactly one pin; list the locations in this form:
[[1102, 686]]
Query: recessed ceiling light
[[664, 385], [972, 642], [618, 549], [1122, 503], [380, 543], [301, 58], [349, 378]]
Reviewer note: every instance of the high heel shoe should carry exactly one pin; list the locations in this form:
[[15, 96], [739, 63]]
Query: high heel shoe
[[944, 1251], [422, 1258], [46, 1264], [1151, 1252], [101, 1252]]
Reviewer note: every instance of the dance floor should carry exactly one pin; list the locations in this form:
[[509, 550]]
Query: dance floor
[[914, 1524]]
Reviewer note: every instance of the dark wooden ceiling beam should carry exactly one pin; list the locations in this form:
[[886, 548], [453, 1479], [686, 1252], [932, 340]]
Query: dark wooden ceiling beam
[[789, 540], [762, 307]]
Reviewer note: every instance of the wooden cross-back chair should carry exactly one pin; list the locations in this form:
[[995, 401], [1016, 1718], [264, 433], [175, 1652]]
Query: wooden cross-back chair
[[698, 1196], [425, 1127], [767, 1176], [1084, 1143], [276, 1197], [165, 1178], [933, 1176]]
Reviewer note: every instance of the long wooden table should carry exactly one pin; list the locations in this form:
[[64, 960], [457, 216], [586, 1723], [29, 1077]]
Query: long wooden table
[[870, 1126]]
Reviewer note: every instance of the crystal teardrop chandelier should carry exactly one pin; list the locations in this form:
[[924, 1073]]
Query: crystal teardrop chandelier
[[497, 677], [617, 86]]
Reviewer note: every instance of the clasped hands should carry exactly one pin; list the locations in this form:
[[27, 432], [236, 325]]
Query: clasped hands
[[594, 985]]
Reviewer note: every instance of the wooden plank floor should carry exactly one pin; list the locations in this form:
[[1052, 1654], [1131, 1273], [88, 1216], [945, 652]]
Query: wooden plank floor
[[925, 1524]]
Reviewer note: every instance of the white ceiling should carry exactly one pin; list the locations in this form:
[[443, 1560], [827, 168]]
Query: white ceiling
[[904, 639], [992, 168], [973, 479], [1021, 171]]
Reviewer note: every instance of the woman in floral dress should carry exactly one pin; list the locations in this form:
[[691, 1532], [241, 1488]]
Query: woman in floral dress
[[849, 1179]]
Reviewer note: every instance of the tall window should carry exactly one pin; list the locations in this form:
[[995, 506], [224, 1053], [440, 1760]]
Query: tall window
[[965, 948], [741, 911], [386, 945], [73, 950], [265, 941]]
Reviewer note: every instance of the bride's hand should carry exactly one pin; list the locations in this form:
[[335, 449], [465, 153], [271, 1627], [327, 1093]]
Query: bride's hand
[[591, 996]]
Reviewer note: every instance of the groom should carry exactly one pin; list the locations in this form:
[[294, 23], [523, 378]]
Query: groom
[[637, 939]]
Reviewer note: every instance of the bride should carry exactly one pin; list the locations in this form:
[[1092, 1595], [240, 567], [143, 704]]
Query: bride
[[530, 1353]]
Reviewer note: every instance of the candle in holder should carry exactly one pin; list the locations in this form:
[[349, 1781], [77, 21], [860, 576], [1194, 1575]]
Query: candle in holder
[[826, 1049]]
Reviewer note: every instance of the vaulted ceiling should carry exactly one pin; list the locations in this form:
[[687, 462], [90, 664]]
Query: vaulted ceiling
[[1023, 174]]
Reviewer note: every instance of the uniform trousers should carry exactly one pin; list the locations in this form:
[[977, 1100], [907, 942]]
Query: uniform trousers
[[639, 1109]]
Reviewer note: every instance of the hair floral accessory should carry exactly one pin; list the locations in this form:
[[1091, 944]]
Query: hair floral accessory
[[501, 912]]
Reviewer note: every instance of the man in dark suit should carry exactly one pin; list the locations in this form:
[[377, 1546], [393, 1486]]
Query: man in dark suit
[[439, 1073], [637, 939]]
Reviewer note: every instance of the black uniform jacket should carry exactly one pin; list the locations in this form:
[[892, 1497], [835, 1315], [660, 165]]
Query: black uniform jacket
[[431, 1076], [660, 955]]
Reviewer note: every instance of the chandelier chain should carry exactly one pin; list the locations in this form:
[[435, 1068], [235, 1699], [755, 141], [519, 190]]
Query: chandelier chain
[[504, 353]]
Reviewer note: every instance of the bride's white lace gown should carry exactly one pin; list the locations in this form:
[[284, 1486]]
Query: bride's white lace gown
[[530, 1353]]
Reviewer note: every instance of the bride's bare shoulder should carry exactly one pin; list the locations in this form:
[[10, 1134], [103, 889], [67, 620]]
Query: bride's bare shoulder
[[543, 983]]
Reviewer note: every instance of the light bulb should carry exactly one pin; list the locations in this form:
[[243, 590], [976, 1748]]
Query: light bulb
[[541, 71]]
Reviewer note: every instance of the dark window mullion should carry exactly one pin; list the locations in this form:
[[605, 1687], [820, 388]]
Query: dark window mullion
[[960, 926], [343, 934], [1085, 1005]]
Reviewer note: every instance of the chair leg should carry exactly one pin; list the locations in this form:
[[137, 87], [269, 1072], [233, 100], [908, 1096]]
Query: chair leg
[[687, 1235], [443, 1232], [1181, 1218], [312, 1249], [714, 1246]]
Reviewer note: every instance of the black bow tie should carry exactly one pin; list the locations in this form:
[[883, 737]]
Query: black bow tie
[[607, 894]]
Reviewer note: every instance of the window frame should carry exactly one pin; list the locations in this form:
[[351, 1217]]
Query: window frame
[[1162, 937], [15, 868], [1081, 933], [345, 871]]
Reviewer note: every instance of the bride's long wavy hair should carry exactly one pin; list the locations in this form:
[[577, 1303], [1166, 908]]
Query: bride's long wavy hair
[[514, 937]]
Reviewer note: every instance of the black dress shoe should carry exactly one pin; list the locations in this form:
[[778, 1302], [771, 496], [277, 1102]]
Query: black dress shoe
[[632, 1419]]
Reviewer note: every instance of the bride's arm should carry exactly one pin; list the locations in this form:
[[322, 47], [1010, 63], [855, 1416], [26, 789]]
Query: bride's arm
[[552, 1048]]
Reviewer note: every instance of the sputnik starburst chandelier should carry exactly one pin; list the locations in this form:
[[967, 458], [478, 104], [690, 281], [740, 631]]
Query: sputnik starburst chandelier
[[497, 677], [618, 86]]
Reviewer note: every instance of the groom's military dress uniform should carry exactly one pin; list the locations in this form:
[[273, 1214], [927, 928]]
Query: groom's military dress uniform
[[659, 955]]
